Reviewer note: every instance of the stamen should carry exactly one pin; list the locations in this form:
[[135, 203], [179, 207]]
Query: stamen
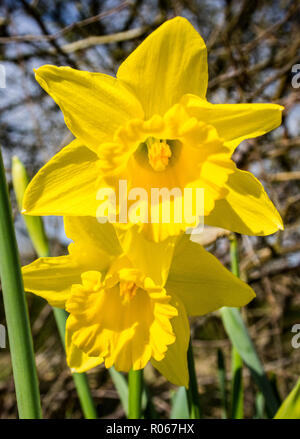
[[159, 154], [127, 290]]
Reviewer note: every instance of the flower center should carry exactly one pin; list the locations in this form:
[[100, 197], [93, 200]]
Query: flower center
[[127, 290], [159, 153]]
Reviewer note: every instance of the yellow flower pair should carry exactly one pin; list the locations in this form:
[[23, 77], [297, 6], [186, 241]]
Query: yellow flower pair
[[129, 290]]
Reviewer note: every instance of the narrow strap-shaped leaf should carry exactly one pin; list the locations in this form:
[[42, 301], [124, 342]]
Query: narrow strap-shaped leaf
[[222, 382], [122, 387], [80, 379], [240, 338], [147, 404], [260, 406], [36, 232], [20, 339], [192, 392], [290, 408], [237, 390], [180, 406]]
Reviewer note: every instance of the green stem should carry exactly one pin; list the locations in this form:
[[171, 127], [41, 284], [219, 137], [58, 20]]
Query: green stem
[[34, 224], [80, 379], [237, 390], [21, 346], [135, 385], [192, 392], [234, 255]]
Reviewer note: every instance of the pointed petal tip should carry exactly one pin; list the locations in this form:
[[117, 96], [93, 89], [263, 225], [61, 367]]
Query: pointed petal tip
[[279, 224], [253, 295], [37, 70], [179, 19], [44, 66]]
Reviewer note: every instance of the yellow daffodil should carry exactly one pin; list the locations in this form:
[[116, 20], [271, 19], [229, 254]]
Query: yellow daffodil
[[152, 127], [128, 306]]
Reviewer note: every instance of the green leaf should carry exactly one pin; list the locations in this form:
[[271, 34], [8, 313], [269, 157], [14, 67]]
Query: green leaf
[[242, 343], [222, 382], [180, 406], [80, 379], [290, 408], [36, 232], [240, 338], [121, 385], [20, 339], [259, 406], [237, 390], [122, 388], [192, 391]]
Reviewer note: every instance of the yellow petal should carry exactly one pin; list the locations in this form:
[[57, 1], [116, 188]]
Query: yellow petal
[[202, 282], [153, 259], [77, 360], [174, 365], [123, 323], [95, 244], [171, 62], [246, 208], [94, 104], [66, 185], [52, 278], [235, 122]]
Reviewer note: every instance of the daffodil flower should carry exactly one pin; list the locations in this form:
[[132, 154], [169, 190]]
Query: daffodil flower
[[127, 306], [153, 127]]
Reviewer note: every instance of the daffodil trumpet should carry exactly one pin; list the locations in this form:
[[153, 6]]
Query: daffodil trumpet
[[166, 206]]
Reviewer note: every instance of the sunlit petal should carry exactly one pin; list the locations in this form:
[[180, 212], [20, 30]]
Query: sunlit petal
[[171, 62]]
